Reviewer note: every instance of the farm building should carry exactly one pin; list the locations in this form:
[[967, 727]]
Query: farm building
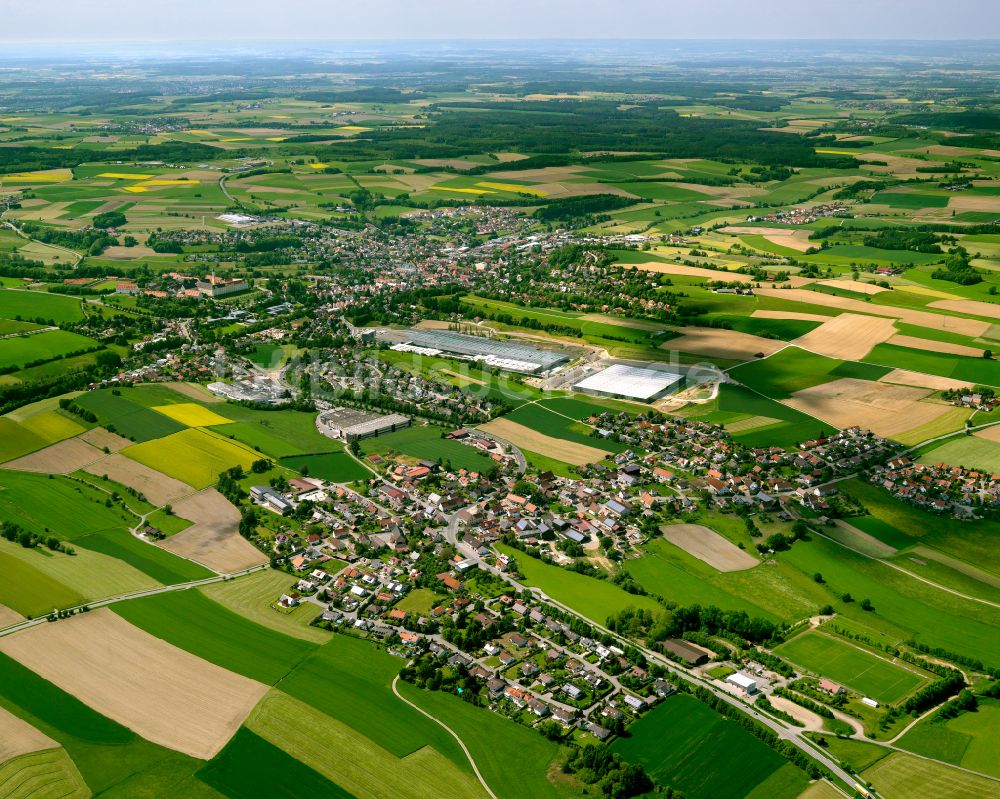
[[644, 384], [747, 684], [349, 424], [504, 355]]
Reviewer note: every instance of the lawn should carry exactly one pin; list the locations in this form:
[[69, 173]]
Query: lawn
[[969, 451], [350, 680], [903, 776], [968, 740], [169, 523], [47, 346], [127, 417], [420, 601], [596, 599], [34, 306], [686, 745], [250, 767], [193, 456], [858, 670], [254, 597], [337, 467], [361, 767], [513, 760], [426, 443]]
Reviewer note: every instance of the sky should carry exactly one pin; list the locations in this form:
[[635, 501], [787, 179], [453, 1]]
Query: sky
[[26, 21]]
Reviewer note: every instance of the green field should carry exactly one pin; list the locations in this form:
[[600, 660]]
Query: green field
[[49, 774], [686, 745], [959, 367], [855, 668], [89, 574], [30, 591], [337, 467], [53, 426], [193, 456], [596, 599], [786, 372], [426, 443], [350, 681], [16, 440], [127, 417], [190, 620], [903, 776], [361, 767], [250, 767], [163, 566], [495, 744], [968, 740], [46, 346], [549, 419], [31, 306]]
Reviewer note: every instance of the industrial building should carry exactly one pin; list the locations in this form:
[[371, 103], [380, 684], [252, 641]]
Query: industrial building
[[642, 384], [350, 424], [500, 354]]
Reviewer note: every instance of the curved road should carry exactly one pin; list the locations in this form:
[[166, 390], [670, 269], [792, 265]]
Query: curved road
[[454, 734]]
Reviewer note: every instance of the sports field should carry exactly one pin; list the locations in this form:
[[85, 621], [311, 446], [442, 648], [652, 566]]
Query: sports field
[[855, 668], [686, 745], [192, 456]]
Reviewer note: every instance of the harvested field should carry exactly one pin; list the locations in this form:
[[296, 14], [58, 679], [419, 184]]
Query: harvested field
[[975, 203], [62, 458], [848, 336], [967, 327], [853, 285], [9, 617], [155, 486], [973, 307], [904, 377], [708, 546], [213, 540], [620, 321], [721, 343], [101, 438], [989, 433], [163, 693], [195, 392], [797, 315], [793, 238], [693, 271], [935, 346], [884, 408], [566, 451], [18, 738]]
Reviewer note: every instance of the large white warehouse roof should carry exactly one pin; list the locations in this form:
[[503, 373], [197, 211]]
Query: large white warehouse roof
[[634, 382]]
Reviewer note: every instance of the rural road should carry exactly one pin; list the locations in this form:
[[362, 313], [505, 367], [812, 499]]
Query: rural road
[[454, 734], [164, 589]]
